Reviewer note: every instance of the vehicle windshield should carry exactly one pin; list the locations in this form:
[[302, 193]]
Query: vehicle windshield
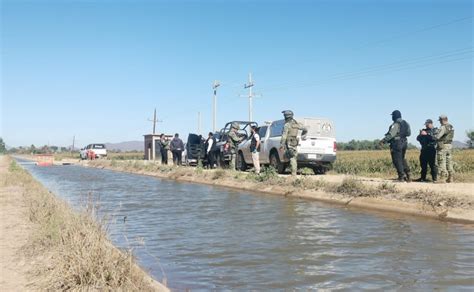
[[194, 139]]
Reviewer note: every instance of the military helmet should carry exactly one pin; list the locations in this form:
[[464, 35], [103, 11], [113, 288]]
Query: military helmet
[[443, 117], [235, 125], [396, 114], [287, 114]]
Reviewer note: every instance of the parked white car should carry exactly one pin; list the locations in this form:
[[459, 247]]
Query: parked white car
[[317, 150], [99, 150]]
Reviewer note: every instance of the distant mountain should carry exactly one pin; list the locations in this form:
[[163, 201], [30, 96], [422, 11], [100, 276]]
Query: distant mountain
[[125, 146], [459, 145]]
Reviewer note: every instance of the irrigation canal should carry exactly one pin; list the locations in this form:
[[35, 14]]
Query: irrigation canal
[[210, 238]]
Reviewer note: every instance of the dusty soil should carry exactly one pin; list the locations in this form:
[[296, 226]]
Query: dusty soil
[[45, 245], [460, 190], [15, 229]]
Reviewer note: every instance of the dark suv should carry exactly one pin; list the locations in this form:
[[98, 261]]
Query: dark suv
[[195, 149]]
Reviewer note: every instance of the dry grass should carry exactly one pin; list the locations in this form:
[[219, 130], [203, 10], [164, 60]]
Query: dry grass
[[435, 200], [379, 163], [75, 252], [350, 187]]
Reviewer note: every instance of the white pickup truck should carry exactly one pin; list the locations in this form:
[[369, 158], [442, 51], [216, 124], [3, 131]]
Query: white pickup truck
[[99, 151], [317, 150]]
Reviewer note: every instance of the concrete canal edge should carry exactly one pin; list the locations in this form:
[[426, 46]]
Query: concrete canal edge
[[440, 213]]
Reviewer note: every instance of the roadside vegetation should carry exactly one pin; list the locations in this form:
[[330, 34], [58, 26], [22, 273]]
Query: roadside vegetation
[[379, 164], [269, 180], [70, 249]]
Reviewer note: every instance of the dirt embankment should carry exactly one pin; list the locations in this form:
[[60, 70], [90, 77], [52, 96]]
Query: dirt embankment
[[47, 246], [449, 202]]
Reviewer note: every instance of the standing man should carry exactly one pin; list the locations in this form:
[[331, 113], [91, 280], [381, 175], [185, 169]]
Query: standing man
[[428, 151], [289, 139], [164, 146], [255, 149], [210, 150], [177, 148], [444, 137], [397, 137], [234, 140]]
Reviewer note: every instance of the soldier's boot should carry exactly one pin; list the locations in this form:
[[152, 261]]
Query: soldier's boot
[[450, 178], [407, 177], [294, 166]]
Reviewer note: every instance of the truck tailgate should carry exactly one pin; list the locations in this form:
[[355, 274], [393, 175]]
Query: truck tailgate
[[316, 146]]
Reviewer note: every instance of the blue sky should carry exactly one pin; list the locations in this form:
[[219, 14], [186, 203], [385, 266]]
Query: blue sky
[[97, 69]]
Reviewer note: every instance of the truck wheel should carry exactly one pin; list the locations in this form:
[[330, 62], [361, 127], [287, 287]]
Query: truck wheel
[[276, 163], [241, 165], [320, 169]]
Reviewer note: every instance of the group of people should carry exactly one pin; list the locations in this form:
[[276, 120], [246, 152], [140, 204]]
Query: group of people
[[176, 146], [436, 148], [288, 142]]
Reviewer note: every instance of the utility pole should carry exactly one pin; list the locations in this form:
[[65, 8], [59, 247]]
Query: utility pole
[[73, 142], [199, 123], [154, 121], [214, 107], [250, 96]]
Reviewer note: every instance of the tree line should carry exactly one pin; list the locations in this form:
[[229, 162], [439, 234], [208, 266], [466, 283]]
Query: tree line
[[351, 145]]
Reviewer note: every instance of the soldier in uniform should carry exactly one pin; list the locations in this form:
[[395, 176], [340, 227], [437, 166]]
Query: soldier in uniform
[[164, 147], [234, 140], [444, 138], [289, 139], [428, 151], [397, 137]]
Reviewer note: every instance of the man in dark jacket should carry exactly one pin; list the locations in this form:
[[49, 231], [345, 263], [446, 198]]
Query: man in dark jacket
[[177, 148], [428, 151], [210, 147], [397, 137]]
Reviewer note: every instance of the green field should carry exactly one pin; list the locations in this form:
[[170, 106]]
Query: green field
[[378, 163]]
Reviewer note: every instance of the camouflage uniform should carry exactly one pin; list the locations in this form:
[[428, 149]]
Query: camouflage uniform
[[165, 146], [289, 139], [398, 145], [234, 141], [444, 148]]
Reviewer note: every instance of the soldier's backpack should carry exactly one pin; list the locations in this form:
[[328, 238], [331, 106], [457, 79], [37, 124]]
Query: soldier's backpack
[[405, 130]]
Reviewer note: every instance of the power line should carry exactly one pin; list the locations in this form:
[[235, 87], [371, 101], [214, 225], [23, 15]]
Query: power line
[[155, 121], [250, 96], [403, 34], [214, 106], [380, 41], [368, 74], [379, 68]]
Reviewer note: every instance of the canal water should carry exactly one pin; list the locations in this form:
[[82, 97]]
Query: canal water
[[209, 238]]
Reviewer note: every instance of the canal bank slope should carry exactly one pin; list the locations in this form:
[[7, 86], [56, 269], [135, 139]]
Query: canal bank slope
[[47, 246], [446, 202]]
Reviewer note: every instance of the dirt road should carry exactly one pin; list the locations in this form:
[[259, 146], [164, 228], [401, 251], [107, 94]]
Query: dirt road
[[15, 229]]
